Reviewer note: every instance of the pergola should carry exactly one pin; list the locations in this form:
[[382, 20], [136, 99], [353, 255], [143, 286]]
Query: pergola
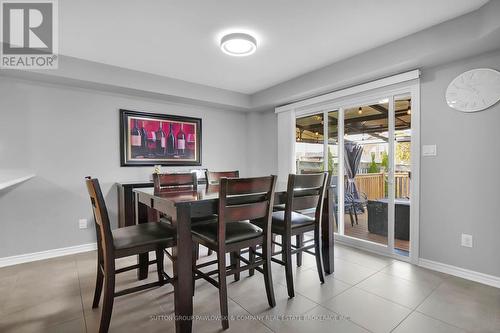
[[369, 119]]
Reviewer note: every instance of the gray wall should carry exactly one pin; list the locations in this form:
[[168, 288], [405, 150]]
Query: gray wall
[[64, 134], [472, 34], [460, 187], [262, 143]]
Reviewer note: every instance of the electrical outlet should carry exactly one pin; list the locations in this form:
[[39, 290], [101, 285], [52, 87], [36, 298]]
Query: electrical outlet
[[83, 223], [466, 240]]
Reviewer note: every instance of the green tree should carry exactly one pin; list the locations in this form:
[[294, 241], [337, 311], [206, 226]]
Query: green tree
[[385, 160], [373, 168], [332, 167], [385, 164], [403, 153]]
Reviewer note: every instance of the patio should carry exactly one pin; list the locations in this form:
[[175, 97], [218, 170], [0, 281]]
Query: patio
[[360, 231]]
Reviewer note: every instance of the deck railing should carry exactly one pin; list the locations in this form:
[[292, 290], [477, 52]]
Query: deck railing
[[374, 184]]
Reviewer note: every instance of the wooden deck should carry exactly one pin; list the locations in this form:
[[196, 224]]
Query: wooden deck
[[360, 231]]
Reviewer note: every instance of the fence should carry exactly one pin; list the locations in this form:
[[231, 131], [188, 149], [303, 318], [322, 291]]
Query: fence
[[374, 184]]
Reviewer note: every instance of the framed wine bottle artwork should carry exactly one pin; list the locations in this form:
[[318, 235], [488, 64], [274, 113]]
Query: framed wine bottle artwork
[[158, 139]]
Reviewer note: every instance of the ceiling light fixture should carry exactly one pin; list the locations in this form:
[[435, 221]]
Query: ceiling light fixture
[[238, 44]]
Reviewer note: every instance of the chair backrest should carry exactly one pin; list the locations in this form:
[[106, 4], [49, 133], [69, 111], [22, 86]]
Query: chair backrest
[[187, 181], [305, 192], [201, 175], [101, 218], [245, 199], [213, 178]]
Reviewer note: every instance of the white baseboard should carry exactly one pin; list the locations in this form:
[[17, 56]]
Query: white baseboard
[[467, 274], [489, 280], [28, 257]]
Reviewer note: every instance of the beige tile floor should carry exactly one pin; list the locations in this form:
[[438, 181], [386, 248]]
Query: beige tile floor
[[367, 293]]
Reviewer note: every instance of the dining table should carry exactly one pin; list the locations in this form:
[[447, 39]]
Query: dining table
[[180, 207]]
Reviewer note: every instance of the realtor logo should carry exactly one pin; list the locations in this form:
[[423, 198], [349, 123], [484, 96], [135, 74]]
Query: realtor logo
[[29, 34]]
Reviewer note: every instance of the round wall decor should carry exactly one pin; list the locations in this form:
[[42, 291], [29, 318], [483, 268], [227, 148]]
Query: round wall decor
[[474, 90]]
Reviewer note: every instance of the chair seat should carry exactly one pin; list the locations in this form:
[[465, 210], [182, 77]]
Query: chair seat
[[278, 225], [235, 231], [143, 234]]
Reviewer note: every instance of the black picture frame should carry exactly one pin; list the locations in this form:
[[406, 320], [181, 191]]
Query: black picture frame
[[153, 151]]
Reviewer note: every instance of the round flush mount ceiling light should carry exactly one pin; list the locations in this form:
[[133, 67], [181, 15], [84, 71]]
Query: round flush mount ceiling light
[[238, 44]]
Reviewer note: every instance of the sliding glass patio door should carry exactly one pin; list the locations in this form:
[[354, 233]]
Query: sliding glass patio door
[[366, 171], [366, 145]]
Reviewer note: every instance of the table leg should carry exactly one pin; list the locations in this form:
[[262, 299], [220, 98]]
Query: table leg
[[327, 230], [183, 273], [141, 216]]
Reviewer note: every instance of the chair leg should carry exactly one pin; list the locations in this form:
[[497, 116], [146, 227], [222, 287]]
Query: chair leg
[[251, 258], [352, 218], [98, 287], [268, 277], [235, 263], [195, 247], [159, 265], [221, 259], [196, 251], [107, 304], [317, 251], [287, 259], [273, 245], [355, 215], [299, 240]]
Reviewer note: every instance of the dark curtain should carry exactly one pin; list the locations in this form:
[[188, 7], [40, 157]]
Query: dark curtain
[[352, 158]]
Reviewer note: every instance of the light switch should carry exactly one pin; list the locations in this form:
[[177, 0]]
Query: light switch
[[429, 150]]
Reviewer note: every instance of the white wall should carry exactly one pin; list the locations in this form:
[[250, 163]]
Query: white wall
[[64, 134]]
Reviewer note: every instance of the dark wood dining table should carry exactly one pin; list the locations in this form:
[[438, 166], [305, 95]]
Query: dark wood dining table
[[180, 206]]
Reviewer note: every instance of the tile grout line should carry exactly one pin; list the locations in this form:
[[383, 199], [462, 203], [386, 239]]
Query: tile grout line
[[81, 296], [311, 268], [241, 306], [441, 320], [349, 320], [376, 272], [415, 309], [352, 285], [402, 320], [430, 316], [392, 301]]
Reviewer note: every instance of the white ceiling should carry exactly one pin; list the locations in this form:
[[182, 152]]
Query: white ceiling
[[179, 39]]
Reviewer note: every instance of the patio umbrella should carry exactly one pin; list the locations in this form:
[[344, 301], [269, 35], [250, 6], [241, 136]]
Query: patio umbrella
[[352, 158]]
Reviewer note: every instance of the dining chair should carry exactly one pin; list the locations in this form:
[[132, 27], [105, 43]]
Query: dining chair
[[178, 181], [174, 181], [240, 200], [119, 243], [304, 193], [213, 177], [163, 181]]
